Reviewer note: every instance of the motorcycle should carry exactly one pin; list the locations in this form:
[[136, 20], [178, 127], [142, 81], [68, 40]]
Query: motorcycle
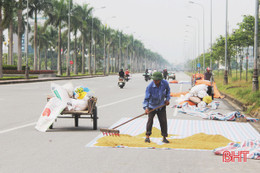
[[121, 82], [147, 77], [127, 78]]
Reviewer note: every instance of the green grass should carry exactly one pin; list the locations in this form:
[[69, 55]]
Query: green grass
[[240, 89], [17, 77]]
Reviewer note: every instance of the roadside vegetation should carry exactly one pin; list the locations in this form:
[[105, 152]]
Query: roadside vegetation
[[240, 90]]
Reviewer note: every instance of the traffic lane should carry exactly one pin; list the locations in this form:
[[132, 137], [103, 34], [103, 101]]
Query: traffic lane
[[47, 153], [23, 103], [66, 145]]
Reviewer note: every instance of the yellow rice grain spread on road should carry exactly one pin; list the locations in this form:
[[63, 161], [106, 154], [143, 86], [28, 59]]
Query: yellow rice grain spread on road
[[196, 141], [156, 133]]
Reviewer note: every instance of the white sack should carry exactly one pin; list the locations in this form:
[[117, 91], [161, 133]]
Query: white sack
[[51, 111], [77, 105], [202, 94], [69, 88], [59, 92]]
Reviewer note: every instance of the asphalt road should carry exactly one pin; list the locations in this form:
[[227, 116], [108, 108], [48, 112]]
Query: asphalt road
[[62, 149]]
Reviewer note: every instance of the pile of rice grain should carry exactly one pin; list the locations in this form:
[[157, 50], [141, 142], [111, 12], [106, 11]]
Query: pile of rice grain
[[196, 141]]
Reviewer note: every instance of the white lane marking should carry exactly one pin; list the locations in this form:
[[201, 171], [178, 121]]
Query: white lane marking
[[176, 109], [102, 106], [16, 128], [142, 95]]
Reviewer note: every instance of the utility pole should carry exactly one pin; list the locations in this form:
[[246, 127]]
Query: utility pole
[[226, 51], [255, 73]]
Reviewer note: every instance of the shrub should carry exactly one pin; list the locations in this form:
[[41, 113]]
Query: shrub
[[30, 72], [13, 67]]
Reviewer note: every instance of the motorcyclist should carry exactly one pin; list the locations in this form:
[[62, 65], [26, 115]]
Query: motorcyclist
[[127, 73], [121, 73], [146, 72], [146, 75], [165, 73]]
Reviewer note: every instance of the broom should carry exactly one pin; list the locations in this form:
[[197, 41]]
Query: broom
[[114, 132]]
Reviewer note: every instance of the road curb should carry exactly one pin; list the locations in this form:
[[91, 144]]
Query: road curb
[[46, 79], [235, 101], [238, 104]]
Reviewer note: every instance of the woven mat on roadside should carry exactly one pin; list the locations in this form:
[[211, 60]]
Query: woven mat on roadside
[[183, 134]]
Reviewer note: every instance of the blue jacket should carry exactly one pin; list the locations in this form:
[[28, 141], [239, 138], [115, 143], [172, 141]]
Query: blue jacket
[[155, 96]]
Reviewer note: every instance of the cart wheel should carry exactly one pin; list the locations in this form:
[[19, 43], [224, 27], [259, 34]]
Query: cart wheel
[[76, 118], [95, 118]]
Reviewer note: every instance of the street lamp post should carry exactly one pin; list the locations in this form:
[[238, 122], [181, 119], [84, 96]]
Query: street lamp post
[[210, 34], [26, 68], [203, 15], [198, 23], [226, 75], [255, 84], [132, 57], [194, 49], [104, 63]]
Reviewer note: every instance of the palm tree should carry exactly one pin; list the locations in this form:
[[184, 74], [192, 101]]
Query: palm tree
[[9, 13], [85, 12], [96, 32], [1, 41], [19, 15], [37, 6], [75, 23], [56, 16], [52, 35]]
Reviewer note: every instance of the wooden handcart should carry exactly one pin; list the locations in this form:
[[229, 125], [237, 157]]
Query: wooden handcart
[[89, 113]]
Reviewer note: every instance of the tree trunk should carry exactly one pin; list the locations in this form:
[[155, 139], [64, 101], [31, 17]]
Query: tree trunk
[[19, 61], [59, 64], [89, 58], [39, 59], [95, 65], [75, 55], [83, 56], [10, 44], [126, 58], [35, 41], [241, 60], [1, 45], [114, 60], [108, 59], [247, 54], [104, 60], [45, 58]]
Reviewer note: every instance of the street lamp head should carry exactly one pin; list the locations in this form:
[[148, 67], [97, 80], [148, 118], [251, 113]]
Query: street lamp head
[[191, 2]]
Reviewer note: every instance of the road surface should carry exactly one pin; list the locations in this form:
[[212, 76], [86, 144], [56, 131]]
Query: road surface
[[62, 149]]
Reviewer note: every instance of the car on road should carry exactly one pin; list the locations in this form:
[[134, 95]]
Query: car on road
[[171, 75]]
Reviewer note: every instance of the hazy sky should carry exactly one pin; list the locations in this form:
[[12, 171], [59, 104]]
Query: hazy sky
[[161, 24]]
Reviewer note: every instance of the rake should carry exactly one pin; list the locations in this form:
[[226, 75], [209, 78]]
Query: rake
[[115, 132]]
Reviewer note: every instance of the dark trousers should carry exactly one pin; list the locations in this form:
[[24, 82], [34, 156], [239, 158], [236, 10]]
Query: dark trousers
[[161, 114]]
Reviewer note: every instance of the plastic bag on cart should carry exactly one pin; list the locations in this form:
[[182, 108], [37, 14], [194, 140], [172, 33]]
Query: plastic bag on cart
[[51, 111], [77, 105], [69, 88], [82, 93], [60, 92]]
